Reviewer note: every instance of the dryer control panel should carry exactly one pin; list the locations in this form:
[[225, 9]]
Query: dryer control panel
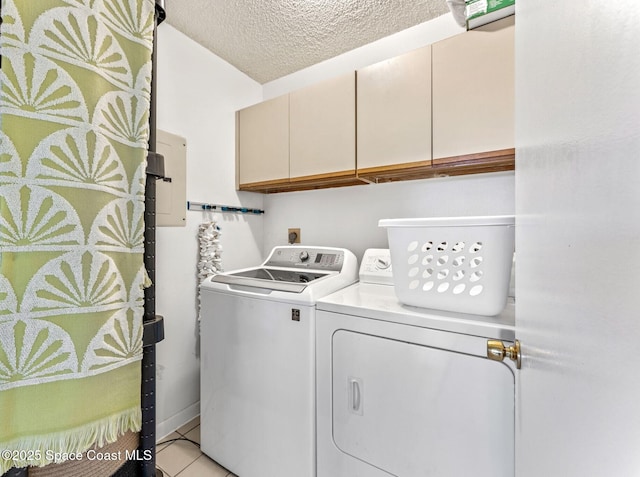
[[376, 266]]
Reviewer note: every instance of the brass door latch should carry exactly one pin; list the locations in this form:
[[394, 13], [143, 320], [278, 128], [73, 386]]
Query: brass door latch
[[497, 351]]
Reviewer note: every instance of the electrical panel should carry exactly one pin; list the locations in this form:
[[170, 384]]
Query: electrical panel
[[171, 192]]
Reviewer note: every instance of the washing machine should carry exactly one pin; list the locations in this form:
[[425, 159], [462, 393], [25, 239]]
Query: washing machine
[[258, 360], [409, 392]]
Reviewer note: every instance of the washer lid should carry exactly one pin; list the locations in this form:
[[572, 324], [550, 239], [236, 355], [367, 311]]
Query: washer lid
[[279, 275], [287, 280]]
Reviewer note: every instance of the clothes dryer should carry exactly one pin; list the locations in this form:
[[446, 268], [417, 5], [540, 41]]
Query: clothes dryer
[[409, 392]]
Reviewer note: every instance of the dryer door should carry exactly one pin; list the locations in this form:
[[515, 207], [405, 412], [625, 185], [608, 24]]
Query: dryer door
[[415, 410]]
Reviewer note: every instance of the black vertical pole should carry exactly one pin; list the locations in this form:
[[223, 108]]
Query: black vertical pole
[[153, 329]]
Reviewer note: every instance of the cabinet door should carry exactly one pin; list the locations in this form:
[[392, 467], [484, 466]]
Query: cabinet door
[[394, 111], [323, 128], [263, 142], [473, 91]]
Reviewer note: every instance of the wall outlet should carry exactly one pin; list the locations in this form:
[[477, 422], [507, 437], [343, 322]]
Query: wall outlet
[[293, 236]]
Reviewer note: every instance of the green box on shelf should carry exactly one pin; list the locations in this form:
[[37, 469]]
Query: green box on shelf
[[481, 12]]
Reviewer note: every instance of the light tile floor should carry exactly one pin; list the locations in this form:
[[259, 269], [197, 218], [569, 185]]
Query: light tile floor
[[183, 458]]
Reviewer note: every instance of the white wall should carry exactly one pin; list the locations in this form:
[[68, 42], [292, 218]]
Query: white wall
[[197, 97], [348, 217]]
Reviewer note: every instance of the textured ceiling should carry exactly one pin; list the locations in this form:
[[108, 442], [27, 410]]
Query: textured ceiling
[[272, 38]]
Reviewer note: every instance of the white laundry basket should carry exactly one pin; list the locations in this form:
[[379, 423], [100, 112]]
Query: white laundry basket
[[460, 264]]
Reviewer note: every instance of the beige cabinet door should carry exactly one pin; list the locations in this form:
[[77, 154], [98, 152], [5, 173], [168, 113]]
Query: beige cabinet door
[[473, 91], [394, 111], [263, 142], [323, 128]]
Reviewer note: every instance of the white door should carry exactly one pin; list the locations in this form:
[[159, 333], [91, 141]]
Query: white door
[[578, 238]]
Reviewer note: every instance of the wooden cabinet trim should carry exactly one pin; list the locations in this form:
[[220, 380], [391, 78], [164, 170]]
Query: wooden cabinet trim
[[318, 181], [487, 159], [491, 161]]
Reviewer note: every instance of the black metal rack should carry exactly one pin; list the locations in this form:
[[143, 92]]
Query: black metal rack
[[153, 324]]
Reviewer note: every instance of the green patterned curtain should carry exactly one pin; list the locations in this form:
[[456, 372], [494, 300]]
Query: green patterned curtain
[[74, 105]]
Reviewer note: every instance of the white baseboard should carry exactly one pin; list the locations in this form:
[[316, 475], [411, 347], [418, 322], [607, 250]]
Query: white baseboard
[[166, 427]]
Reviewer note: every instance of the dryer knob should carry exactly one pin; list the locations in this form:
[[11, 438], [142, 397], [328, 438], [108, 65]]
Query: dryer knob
[[382, 264]]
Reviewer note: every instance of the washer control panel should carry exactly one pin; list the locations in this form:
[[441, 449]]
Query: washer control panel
[[376, 266], [299, 257]]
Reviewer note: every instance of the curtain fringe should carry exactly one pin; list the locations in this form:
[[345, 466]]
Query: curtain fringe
[[58, 447]]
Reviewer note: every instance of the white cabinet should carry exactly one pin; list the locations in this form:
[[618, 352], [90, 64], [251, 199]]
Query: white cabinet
[[302, 140], [394, 111], [444, 109], [263, 142], [323, 128], [473, 91]]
